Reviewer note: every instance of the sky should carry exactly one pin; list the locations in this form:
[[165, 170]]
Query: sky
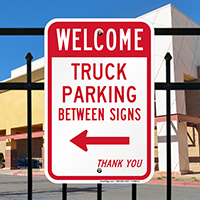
[[37, 13]]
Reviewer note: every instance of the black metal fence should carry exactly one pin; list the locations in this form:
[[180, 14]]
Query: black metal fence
[[29, 86]]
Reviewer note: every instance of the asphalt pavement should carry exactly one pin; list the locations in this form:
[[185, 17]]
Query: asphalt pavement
[[15, 187], [191, 180]]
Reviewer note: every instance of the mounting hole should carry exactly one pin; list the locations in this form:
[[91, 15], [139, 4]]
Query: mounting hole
[[100, 32], [99, 170]]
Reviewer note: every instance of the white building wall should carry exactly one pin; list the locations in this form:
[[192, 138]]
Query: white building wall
[[186, 54], [186, 59], [23, 69], [185, 51]]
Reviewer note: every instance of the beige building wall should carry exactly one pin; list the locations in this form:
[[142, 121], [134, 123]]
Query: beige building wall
[[13, 109], [2, 147], [14, 106]]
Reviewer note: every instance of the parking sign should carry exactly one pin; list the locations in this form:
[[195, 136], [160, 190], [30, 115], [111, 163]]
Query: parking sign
[[99, 97]]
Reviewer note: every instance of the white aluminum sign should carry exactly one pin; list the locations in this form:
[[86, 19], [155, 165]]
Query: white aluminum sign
[[99, 101]]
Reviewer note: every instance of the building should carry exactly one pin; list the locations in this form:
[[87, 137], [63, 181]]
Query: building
[[185, 51], [13, 123], [185, 110]]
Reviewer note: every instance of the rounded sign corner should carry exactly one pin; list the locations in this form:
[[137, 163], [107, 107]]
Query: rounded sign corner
[[51, 176]]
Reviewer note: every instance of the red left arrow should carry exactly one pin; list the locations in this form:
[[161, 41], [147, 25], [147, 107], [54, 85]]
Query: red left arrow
[[82, 140]]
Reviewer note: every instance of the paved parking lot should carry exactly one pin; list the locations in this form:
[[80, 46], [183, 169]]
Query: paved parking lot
[[15, 187]]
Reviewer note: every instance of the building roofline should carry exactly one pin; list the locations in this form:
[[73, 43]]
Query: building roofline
[[184, 14], [154, 10]]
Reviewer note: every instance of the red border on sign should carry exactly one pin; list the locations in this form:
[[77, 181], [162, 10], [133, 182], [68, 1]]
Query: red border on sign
[[52, 52]]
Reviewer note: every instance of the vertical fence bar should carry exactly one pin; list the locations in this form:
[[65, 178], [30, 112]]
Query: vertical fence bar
[[168, 57], [29, 57], [134, 191], [64, 191], [99, 191]]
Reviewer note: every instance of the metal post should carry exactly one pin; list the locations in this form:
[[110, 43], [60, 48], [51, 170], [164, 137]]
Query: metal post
[[29, 57], [99, 191], [168, 57], [134, 191], [64, 191]]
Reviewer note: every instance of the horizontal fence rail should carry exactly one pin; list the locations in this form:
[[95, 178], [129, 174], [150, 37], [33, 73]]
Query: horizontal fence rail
[[177, 86], [158, 86], [177, 31], [21, 31], [21, 86], [40, 31]]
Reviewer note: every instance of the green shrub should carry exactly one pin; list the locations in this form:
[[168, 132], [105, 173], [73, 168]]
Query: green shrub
[[194, 179]]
